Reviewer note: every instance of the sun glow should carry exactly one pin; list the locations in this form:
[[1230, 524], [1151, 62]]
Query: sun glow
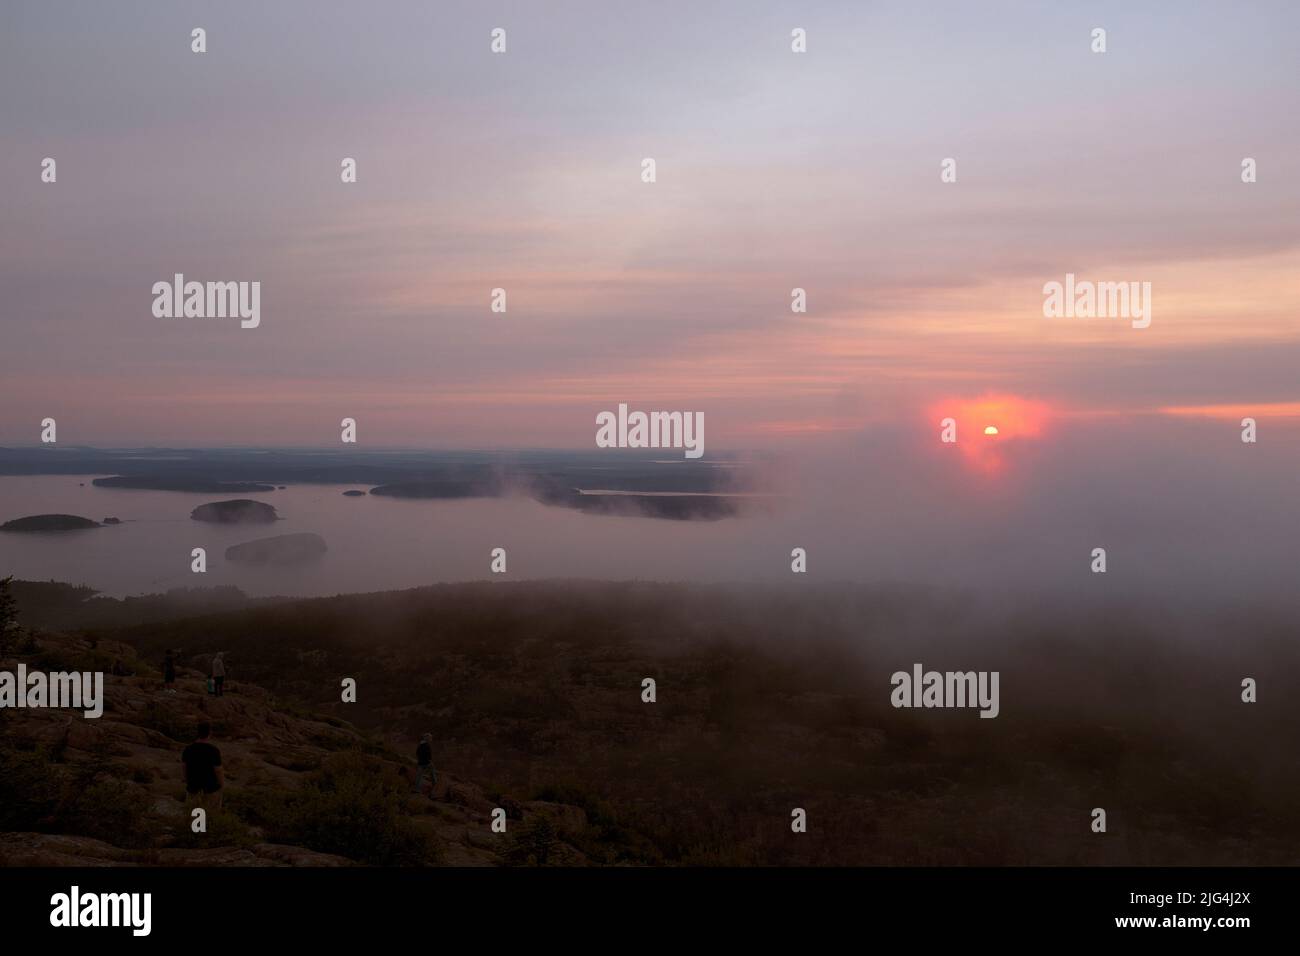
[[1018, 420]]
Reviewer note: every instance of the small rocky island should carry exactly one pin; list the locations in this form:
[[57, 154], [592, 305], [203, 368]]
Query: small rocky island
[[236, 511], [38, 523], [353, 493], [281, 550]]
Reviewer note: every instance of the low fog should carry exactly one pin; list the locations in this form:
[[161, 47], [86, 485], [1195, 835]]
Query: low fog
[[1186, 512]]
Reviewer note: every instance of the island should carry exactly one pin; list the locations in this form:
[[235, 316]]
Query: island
[[353, 493], [37, 523], [676, 507], [112, 521], [280, 550], [236, 511], [181, 483], [452, 487]]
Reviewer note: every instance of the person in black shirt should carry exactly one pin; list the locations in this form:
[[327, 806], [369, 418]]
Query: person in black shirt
[[204, 778], [424, 762]]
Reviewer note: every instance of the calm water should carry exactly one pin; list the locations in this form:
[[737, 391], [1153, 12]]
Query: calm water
[[375, 543], [1192, 514]]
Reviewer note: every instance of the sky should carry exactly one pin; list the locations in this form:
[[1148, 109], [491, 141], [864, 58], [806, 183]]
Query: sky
[[522, 171]]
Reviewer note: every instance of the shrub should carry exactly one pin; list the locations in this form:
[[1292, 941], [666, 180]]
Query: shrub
[[534, 844], [105, 809], [30, 786], [225, 828], [9, 628], [351, 807]]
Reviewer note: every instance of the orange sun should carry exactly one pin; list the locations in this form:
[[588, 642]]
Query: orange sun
[[1018, 419]]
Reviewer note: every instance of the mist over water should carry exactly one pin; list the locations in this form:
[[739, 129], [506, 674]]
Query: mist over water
[[1185, 511]]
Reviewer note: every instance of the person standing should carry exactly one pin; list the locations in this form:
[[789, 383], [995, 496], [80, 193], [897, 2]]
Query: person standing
[[424, 765], [204, 777], [169, 673], [218, 673]]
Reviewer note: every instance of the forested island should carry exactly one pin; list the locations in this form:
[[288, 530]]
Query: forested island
[[236, 511], [181, 483], [37, 523]]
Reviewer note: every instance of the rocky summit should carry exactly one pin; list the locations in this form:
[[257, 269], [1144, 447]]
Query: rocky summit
[[301, 789]]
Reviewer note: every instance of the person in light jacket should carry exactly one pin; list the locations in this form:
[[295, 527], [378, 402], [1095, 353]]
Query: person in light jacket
[[218, 673]]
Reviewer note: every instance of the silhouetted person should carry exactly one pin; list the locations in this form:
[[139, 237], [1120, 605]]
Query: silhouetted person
[[169, 673], [218, 673], [424, 765], [204, 778]]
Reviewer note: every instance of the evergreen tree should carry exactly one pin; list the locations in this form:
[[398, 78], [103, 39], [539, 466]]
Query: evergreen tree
[[9, 629]]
